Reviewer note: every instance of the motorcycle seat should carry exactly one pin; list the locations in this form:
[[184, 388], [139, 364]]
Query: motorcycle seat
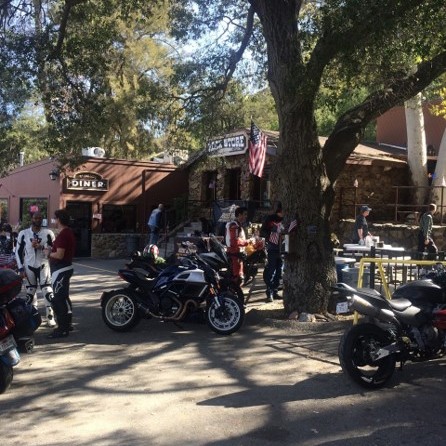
[[400, 304]]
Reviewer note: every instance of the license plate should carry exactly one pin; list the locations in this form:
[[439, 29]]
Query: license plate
[[7, 343], [342, 307]]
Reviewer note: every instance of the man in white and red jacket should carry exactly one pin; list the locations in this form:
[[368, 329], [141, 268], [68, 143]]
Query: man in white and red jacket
[[236, 241]]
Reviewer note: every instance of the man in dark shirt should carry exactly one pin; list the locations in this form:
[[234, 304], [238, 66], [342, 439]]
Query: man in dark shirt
[[361, 229]]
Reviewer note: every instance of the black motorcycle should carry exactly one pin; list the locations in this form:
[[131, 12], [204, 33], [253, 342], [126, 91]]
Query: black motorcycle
[[179, 291], [216, 258], [409, 327]]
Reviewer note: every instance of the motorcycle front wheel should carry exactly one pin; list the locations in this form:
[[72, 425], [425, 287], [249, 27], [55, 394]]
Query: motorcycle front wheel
[[356, 350], [6, 375], [119, 311], [227, 317]]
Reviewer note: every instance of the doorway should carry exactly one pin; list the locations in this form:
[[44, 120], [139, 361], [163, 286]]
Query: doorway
[[80, 216]]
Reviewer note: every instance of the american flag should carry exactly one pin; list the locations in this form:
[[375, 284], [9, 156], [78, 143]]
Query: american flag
[[257, 150], [293, 225]]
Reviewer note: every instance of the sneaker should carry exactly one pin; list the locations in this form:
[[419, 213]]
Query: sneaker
[[276, 295], [50, 322], [269, 296]]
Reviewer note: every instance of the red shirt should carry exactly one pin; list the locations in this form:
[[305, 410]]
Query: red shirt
[[65, 240]]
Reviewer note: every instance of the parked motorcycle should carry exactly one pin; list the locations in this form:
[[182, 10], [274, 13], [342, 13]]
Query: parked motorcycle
[[18, 321], [409, 327], [178, 291], [216, 258]]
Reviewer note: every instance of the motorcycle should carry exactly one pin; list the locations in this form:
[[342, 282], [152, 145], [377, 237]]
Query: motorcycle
[[216, 258], [189, 287], [18, 321], [409, 327]]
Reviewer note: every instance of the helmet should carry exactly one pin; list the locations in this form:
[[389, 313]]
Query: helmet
[[151, 251]]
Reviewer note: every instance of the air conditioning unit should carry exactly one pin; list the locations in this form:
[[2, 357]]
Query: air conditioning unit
[[96, 152]]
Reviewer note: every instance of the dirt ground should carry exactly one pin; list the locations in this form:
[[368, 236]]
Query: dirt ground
[[163, 384]]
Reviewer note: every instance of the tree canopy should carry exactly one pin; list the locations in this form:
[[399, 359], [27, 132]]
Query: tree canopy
[[132, 74]]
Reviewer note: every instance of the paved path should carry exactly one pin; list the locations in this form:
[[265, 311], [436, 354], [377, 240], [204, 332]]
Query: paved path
[[182, 385]]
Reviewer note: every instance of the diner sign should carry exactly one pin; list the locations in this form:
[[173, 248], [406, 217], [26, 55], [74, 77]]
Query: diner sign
[[235, 144], [87, 181]]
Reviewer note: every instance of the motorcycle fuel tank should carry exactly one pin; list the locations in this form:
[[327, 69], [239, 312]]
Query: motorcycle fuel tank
[[420, 291]]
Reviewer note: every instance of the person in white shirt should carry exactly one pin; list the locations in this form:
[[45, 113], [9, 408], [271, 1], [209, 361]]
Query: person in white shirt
[[33, 265]]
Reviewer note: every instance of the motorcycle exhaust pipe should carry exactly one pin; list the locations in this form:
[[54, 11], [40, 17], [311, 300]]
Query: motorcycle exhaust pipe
[[362, 306]]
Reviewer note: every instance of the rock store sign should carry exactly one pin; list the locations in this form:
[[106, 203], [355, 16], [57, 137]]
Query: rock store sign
[[87, 181], [235, 144]]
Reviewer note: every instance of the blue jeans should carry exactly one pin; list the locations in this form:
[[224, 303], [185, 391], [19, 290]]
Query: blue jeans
[[273, 270], [154, 235]]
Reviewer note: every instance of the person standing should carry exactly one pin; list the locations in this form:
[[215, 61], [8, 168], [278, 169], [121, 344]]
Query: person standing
[[155, 223], [61, 264], [271, 229], [425, 241], [235, 239], [361, 228], [33, 265]]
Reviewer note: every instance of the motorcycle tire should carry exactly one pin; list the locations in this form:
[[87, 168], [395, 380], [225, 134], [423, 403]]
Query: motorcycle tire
[[6, 375], [119, 311], [226, 318], [355, 350]]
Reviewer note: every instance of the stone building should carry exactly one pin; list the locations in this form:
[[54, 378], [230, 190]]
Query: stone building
[[220, 174]]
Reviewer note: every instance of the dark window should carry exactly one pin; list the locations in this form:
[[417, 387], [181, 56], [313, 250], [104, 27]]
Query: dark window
[[209, 186], [28, 206], [232, 184], [261, 192], [118, 218], [4, 210]]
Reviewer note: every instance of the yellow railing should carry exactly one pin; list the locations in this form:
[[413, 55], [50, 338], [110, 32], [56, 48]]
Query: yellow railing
[[382, 274]]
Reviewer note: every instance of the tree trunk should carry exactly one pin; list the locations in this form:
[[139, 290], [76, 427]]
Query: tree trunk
[[438, 196], [416, 147], [306, 191]]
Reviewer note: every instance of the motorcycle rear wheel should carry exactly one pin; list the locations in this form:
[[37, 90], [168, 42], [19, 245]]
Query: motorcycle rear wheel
[[355, 349], [6, 375], [226, 318], [119, 311]]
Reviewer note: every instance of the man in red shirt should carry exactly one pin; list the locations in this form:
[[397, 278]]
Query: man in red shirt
[[235, 242], [61, 265]]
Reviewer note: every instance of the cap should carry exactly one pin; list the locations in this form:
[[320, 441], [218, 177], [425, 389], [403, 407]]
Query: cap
[[365, 208]]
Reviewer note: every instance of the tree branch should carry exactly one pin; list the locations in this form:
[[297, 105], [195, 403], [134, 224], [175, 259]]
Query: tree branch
[[350, 126]]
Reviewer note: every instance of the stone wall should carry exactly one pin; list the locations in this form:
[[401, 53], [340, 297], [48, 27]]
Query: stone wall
[[116, 245], [392, 234]]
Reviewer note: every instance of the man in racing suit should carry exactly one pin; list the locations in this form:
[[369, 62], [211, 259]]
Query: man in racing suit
[[236, 241], [33, 264]]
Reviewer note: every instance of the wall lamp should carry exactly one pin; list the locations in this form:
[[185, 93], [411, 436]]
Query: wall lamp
[[54, 174]]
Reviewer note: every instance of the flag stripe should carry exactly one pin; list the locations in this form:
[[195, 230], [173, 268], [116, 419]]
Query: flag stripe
[[257, 150]]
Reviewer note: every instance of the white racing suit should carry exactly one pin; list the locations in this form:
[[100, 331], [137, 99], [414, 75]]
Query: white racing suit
[[36, 266]]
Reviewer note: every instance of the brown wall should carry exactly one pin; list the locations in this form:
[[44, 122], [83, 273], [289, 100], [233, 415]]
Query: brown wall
[[130, 182], [391, 127]]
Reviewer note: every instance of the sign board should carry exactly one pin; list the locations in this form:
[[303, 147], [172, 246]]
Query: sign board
[[235, 144], [87, 181]]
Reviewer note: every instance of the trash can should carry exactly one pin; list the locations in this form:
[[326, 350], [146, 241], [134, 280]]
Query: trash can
[[350, 277], [132, 242], [341, 263]]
